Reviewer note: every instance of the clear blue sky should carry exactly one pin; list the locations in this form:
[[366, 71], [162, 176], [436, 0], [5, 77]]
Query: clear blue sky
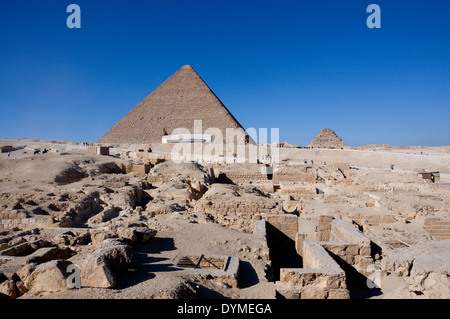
[[294, 65]]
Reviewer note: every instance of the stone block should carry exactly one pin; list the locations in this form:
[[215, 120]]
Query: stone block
[[312, 293], [48, 277], [8, 289], [335, 282], [352, 250], [338, 294], [96, 273], [365, 251], [102, 150]]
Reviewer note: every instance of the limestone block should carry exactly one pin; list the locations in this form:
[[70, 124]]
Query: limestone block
[[99, 235], [365, 251], [8, 289], [48, 277], [287, 290], [363, 262], [96, 272], [338, 294], [24, 272], [352, 250], [118, 255], [335, 282], [312, 293]]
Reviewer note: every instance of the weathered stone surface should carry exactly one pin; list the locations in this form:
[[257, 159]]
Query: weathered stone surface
[[425, 267], [105, 215], [21, 289], [118, 254], [98, 236], [125, 197], [49, 253], [25, 248], [127, 233], [62, 238], [96, 272], [144, 234], [70, 175], [24, 272], [49, 277], [338, 294], [133, 233], [69, 238], [312, 293], [8, 289]]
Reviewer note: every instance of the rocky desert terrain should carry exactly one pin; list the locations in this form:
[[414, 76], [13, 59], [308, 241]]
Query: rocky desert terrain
[[366, 222]]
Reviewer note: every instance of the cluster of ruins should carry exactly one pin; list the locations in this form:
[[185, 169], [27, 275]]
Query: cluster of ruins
[[325, 231], [128, 216]]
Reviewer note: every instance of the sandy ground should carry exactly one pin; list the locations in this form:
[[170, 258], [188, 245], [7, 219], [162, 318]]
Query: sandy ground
[[154, 273]]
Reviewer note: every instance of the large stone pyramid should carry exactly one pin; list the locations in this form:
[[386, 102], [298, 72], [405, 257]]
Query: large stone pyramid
[[327, 138], [176, 103]]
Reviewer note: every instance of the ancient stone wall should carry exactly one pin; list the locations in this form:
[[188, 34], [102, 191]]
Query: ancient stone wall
[[286, 223], [238, 214], [345, 242], [438, 227], [239, 178], [297, 189], [294, 176], [320, 278]]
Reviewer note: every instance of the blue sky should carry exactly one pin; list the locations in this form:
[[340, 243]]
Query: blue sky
[[294, 65]]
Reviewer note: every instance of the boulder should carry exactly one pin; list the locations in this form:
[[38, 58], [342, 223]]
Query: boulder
[[24, 272], [118, 254], [8, 290], [144, 234], [127, 233], [69, 238], [98, 236], [48, 277], [108, 213], [63, 238], [133, 232], [96, 272]]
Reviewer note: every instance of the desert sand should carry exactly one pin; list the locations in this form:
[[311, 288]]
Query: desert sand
[[138, 213]]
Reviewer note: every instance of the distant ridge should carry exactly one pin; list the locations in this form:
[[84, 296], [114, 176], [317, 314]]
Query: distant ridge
[[176, 103], [327, 138]]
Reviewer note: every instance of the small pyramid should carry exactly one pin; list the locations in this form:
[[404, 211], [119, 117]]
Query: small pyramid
[[176, 103], [327, 138]]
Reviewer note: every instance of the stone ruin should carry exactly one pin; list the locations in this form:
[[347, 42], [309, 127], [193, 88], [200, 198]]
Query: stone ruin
[[96, 211], [324, 231]]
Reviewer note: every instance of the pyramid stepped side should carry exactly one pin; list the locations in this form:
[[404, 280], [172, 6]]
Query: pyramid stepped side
[[176, 103], [327, 138]]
